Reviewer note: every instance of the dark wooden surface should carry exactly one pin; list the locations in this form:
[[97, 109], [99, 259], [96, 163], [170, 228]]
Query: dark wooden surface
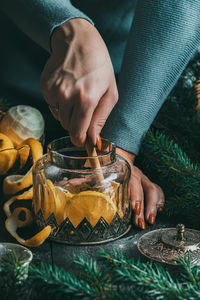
[[61, 254]]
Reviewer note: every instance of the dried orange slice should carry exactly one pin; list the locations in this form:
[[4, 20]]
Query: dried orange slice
[[117, 197], [14, 183], [13, 222], [61, 198], [91, 205], [7, 160], [27, 195], [38, 238], [37, 194], [5, 142], [8, 154], [47, 198], [113, 190], [23, 153]]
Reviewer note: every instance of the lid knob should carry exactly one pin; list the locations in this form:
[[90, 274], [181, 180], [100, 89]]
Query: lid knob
[[180, 229]]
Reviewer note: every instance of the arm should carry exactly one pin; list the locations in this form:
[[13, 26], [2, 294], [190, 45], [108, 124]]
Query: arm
[[163, 38], [39, 18]]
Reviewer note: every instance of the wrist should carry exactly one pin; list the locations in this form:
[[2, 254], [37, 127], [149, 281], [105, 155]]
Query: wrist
[[70, 31], [129, 156]]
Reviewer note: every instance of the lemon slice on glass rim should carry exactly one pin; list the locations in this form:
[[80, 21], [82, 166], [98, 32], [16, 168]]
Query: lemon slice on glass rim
[[91, 205]]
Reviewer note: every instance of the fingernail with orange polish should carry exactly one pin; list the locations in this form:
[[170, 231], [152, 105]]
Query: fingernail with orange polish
[[137, 208], [99, 143], [152, 218], [141, 223]]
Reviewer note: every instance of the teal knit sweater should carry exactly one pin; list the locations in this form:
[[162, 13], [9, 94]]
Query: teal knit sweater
[[164, 35]]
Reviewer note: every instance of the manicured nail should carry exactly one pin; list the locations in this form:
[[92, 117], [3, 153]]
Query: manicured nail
[[99, 143], [141, 223], [152, 218], [160, 209], [137, 208]]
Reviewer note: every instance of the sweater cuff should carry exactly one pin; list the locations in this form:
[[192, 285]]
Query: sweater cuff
[[129, 139], [38, 18], [62, 17]]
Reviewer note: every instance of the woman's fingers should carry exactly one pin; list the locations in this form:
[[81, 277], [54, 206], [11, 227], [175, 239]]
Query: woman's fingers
[[101, 113], [137, 198], [139, 219], [80, 119], [154, 198], [65, 112], [145, 196], [75, 81]]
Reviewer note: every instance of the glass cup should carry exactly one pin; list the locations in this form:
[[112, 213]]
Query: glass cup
[[83, 203], [20, 255]]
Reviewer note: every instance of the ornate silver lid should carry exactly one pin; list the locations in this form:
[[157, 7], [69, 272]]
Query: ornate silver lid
[[169, 244]]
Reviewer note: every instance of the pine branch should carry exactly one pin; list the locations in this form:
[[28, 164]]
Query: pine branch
[[57, 283], [97, 278], [12, 276], [152, 281], [170, 154], [174, 172], [190, 272], [122, 278], [166, 158]]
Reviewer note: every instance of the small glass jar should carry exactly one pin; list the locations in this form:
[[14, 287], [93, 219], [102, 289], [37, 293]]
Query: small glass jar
[[83, 204], [20, 254]]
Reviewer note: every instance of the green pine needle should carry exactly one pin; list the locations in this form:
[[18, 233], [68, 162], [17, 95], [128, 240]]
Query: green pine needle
[[114, 276]]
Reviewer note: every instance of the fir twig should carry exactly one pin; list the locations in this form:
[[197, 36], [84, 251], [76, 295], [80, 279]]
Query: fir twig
[[174, 172], [57, 283], [12, 276], [122, 278]]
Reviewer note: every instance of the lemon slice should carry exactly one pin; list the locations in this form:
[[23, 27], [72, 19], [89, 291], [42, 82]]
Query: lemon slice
[[61, 198], [114, 191], [117, 197], [91, 205], [47, 198]]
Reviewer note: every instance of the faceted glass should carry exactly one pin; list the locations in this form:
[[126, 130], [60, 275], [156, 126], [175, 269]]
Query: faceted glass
[[82, 203]]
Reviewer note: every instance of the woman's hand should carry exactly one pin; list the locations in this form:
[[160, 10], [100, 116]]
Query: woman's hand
[[78, 80], [146, 197]]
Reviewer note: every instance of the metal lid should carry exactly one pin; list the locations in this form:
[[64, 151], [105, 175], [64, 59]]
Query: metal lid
[[169, 244]]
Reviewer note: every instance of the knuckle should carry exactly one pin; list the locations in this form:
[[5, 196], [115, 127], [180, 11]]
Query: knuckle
[[77, 139], [85, 95], [86, 98], [153, 188], [114, 96], [160, 190], [61, 89]]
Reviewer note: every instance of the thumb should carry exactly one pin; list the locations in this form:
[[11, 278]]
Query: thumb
[[100, 115]]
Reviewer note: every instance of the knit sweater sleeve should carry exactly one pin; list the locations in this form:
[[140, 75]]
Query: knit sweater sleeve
[[163, 38], [38, 18]]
